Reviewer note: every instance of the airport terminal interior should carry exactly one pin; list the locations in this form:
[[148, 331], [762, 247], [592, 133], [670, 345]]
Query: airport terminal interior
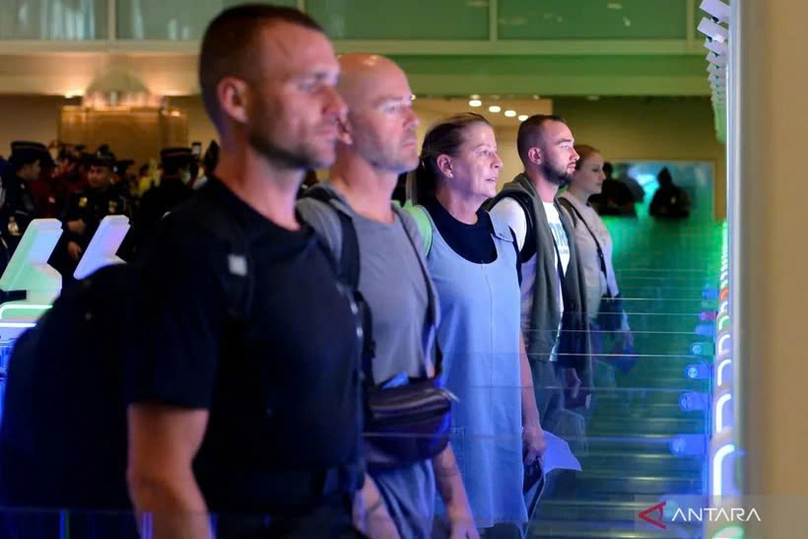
[[694, 410]]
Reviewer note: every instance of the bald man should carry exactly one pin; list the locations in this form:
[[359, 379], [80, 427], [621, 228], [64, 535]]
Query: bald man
[[378, 143]]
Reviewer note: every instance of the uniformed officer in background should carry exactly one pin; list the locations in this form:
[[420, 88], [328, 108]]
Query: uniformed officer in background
[[87, 207], [179, 168], [16, 202]]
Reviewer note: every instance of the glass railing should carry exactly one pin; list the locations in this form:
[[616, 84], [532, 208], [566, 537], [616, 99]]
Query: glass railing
[[426, 20], [53, 19]]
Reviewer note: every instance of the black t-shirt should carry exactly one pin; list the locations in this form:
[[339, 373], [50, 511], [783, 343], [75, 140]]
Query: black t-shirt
[[282, 390], [474, 242]]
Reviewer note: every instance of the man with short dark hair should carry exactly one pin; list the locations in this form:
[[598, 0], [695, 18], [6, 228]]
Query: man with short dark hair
[[245, 353], [553, 317]]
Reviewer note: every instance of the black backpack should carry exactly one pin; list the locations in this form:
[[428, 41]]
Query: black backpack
[[63, 437], [524, 201]]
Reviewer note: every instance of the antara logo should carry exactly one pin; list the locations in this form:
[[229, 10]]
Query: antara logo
[[658, 508], [653, 515]]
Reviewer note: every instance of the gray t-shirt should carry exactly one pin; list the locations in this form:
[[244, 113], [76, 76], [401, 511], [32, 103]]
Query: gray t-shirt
[[391, 279]]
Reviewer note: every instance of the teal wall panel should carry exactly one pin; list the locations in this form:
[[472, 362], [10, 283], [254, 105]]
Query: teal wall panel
[[592, 19], [413, 19], [53, 19], [171, 19]]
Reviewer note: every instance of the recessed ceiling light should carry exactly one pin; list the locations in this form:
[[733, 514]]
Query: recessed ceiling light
[[614, 5], [474, 96], [475, 103], [510, 113], [412, 97], [494, 108], [523, 117]]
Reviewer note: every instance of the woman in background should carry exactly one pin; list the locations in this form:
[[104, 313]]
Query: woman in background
[[608, 321]]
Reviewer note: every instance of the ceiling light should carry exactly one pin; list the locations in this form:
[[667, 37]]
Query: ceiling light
[[510, 113], [412, 97], [523, 117], [593, 97], [614, 5], [474, 96], [475, 103], [494, 108]]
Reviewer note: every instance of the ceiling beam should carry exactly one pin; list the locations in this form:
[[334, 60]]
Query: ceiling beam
[[651, 47]]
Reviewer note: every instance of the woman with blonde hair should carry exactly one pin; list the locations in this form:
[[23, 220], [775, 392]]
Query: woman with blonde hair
[[608, 319]]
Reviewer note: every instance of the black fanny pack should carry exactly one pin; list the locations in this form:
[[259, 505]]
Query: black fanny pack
[[406, 424]]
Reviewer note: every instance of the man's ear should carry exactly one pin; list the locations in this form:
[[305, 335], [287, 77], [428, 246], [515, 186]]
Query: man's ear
[[344, 130], [234, 98], [444, 163], [535, 155]]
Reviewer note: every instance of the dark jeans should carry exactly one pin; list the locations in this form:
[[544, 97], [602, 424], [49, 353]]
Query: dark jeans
[[549, 389], [328, 521]]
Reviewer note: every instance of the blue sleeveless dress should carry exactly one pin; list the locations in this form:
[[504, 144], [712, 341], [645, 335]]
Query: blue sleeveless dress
[[479, 338]]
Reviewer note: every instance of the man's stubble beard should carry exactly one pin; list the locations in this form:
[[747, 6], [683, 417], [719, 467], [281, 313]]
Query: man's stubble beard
[[560, 179]]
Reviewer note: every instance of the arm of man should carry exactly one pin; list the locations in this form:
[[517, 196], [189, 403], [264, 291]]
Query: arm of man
[[163, 441], [453, 493], [370, 515], [533, 435], [170, 362]]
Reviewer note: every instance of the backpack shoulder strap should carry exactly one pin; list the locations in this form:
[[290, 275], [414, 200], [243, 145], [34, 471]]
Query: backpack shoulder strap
[[525, 202], [423, 223], [348, 264], [239, 284]]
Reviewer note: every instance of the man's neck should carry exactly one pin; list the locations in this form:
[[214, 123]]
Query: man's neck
[[547, 190], [368, 190], [267, 188]]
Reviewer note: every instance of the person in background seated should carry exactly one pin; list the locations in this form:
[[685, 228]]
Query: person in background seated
[[670, 201], [615, 197], [474, 260], [637, 192]]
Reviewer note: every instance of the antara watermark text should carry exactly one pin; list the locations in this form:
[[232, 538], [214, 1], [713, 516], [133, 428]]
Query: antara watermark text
[[654, 514]]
